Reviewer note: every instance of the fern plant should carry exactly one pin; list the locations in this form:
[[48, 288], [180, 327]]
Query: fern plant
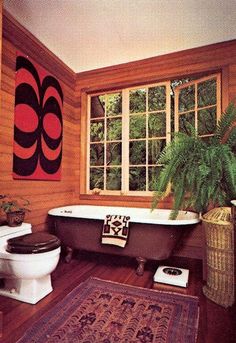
[[200, 173]]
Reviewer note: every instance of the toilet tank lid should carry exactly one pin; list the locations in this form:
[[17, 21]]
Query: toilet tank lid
[[9, 230]]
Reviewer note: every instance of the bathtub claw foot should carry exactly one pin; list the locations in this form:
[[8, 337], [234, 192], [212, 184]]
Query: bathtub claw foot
[[69, 252], [141, 264]]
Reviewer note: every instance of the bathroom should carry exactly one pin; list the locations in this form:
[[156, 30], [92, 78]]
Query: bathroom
[[71, 188]]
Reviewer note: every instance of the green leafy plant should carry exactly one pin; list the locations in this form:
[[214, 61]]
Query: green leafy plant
[[201, 173], [9, 205]]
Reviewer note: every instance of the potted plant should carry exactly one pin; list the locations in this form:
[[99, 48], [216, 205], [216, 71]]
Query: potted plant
[[14, 209], [200, 174]]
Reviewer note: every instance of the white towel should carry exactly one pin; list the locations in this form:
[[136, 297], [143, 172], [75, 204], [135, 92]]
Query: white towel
[[115, 230]]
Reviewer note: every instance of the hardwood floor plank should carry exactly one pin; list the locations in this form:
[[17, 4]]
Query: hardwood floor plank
[[216, 324]]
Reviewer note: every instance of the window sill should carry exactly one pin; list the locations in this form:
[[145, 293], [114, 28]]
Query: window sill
[[121, 198], [115, 197]]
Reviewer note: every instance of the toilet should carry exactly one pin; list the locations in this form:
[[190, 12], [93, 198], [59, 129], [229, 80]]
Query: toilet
[[26, 262]]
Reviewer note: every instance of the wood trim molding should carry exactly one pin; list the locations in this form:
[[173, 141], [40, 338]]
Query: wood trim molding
[[210, 57], [23, 40], [225, 87], [83, 143]]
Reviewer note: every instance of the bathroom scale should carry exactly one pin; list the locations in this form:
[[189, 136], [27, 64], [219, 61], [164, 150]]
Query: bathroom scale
[[172, 276]]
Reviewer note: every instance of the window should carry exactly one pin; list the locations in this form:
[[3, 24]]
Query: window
[[105, 158], [146, 135], [129, 128], [198, 103]]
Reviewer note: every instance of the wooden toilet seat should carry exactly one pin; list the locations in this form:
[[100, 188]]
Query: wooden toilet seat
[[33, 243]]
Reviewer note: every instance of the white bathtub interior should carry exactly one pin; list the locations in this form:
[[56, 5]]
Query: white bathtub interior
[[137, 215]]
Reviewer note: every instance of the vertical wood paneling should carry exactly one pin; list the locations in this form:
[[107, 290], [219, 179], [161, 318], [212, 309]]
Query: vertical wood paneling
[[232, 82], [219, 57], [1, 6], [43, 195]]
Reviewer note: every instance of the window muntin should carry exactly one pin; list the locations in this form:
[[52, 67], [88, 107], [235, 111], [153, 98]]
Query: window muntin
[[149, 114], [105, 132], [198, 103], [128, 129]]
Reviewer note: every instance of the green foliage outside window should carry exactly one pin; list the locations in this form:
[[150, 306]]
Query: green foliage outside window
[[137, 103], [157, 98], [147, 130]]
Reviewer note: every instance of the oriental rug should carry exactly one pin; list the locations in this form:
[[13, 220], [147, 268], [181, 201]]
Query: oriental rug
[[100, 311]]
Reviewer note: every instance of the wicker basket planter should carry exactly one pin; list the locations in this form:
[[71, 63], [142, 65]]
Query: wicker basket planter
[[219, 236]]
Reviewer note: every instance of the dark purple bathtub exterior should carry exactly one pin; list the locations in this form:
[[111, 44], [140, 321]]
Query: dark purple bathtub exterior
[[145, 242]]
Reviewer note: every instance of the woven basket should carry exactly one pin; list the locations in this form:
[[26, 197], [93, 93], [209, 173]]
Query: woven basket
[[219, 235]]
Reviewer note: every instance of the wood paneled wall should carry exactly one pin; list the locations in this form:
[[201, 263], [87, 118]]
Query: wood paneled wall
[[219, 57], [1, 6], [232, 82], [43, 195]]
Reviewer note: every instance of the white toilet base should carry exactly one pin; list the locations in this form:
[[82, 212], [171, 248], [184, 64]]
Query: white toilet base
[[29, 291]]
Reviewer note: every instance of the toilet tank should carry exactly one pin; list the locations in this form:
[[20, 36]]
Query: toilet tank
[[7, 232]]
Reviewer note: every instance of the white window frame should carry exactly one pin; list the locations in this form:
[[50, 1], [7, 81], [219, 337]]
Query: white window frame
[[217, 76], [125, 136], [125, 128]]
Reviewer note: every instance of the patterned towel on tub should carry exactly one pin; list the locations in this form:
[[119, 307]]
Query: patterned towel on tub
[[115, 230]]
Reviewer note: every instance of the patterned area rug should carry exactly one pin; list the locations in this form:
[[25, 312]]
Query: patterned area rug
[[100, 311]]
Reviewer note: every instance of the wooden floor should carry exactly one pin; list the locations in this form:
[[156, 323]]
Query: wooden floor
[[216, 324]]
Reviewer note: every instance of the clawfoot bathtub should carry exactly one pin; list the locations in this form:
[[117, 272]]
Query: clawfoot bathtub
[[152, 236]]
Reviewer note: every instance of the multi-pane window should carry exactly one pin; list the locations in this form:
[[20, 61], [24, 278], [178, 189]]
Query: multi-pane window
[[129, 128], [105, 141], [198, 103], [149, 113]]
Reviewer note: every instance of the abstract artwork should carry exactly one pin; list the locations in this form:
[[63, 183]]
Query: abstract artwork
[[38, 125]]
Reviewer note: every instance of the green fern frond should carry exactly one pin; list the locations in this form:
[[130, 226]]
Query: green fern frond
[[226, 121], [201, 174], [157, 197], [229, 173], [231, 140]]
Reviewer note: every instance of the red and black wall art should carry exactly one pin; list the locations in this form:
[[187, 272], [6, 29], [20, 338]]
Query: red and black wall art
[[38, 123]]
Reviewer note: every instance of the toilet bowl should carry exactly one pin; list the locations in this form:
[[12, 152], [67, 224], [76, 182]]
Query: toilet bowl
[[26, 262]]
